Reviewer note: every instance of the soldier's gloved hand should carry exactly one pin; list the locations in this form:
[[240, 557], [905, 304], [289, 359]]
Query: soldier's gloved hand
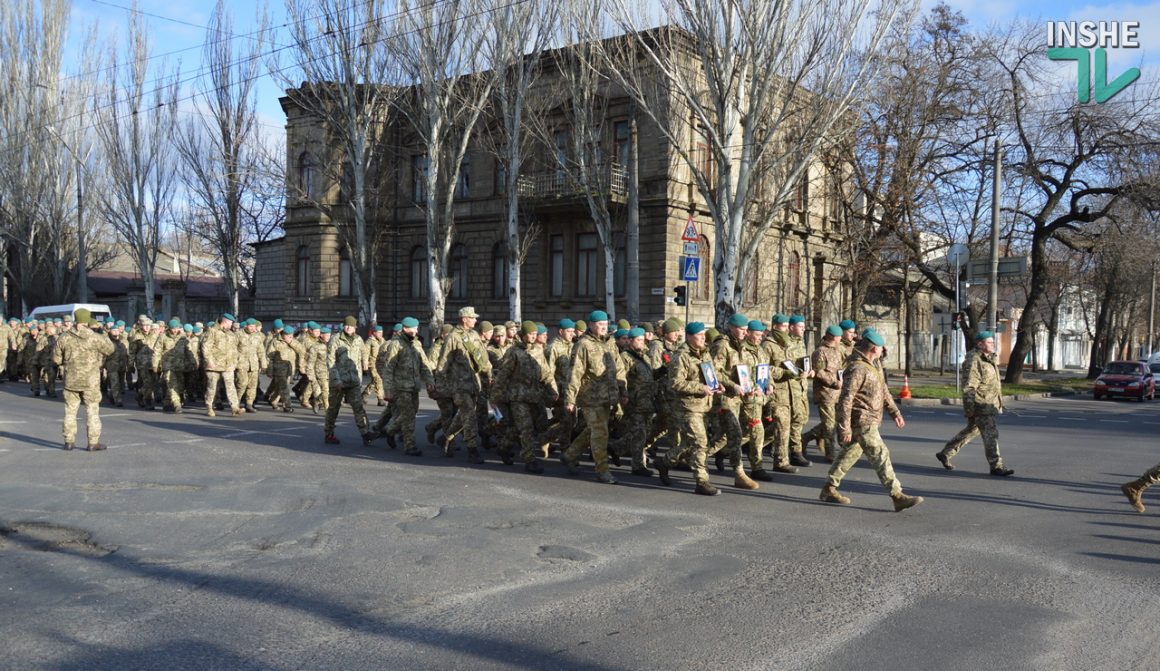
[[845, 436]]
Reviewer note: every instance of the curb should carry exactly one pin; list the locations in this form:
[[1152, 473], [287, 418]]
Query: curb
[[935, 402]]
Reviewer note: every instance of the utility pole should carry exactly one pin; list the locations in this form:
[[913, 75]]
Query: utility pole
[[993, 293], [1152, 310]]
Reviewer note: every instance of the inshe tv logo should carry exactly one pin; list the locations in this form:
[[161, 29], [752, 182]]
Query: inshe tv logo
[[1077, 40]]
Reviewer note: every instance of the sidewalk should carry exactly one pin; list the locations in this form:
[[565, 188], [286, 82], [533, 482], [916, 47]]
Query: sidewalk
[[931, 377]]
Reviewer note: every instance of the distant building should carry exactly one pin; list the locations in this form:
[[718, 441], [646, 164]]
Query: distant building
[[190, 289]]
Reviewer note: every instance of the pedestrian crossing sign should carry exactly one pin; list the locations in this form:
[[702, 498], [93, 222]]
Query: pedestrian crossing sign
[[690, 234], [690, 269]]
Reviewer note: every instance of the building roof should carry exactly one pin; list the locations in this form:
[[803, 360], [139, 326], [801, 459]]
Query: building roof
[[117, 282]]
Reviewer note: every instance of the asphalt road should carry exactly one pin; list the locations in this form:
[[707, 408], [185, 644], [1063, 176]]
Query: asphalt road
[[198, 543]]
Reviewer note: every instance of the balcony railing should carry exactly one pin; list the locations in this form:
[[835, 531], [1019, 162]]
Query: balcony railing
[[610, 180]]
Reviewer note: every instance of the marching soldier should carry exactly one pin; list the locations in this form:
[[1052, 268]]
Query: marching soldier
[[642, 398], [799, 401], [752, 428], [441, 397], [779, 403], [982, 401], [80, 353], [726, 353], [559, 357], [5, 339], [283, 363], [597, 383], [404, 369], [219, 350], [667, 421], [316, 396], [375, 344], [849, 337], [694, 394], [251, 362], [524, 381], [827, 363], [172, 359], [30, 356], [142, 350], [1135, 489], [466, 370], [117, 365], [864, 395], [344, 359]]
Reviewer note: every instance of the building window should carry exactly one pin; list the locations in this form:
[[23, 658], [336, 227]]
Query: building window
[[457, 267], [586, 264], [556, 265], [801, 195], [419, 277], [499, 271], [561, 158], [500, 177], [620, 141], [345, 274], [752, 281], [620, 272], [346, 184], [419, 178], [302, 279], [793, 281], [307, 175], [703, 288], [463, 182]]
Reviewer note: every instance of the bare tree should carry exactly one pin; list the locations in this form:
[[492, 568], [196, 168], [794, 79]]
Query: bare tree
[[757, 90], [217, 147], [137, 120], [443, 51], [263, 212]]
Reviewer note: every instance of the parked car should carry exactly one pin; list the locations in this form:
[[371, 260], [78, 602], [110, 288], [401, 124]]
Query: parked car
[[1155, 367], [1131, 379]]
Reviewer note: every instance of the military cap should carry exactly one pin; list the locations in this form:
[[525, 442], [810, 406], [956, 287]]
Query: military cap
[[983, 335], [693, 328], [486, 327], [188, 328], [598, 316], [278, 324], [175, 323], [796, 319], [349, 320], [251, 322], [198, 329], [780, 319], [288, 330], [446, 328], [541, 328], [510, 324], [637, 332], [566, 323], [146, 321], [623, 324], [671, 325], [397, 327], [835, 331], [68, 318], [94, 324], [847, 324], [379, 327], [621, 333], [874, 337], [468, 311], [120, 324], [528, 327], [142, 318], [325, 330], [83, 315], [229, 317], [581, 325], [756, 325], [410, 323], [712, 334], [739, 320]]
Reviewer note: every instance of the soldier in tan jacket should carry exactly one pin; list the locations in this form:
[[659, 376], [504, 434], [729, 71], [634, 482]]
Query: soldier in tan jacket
[[80, 353], [827, 362], [219, 354], [982, 401]]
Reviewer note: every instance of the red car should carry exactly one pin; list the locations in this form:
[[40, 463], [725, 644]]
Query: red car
[[1131, 379]]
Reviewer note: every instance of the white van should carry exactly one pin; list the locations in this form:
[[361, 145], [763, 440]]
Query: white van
[[98, 311]]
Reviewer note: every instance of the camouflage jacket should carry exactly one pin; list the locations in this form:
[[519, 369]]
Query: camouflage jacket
[[827, 363], [796, 352], [753, 355], [686, 379], [44, 350], [29, 350], [559, 356], [374, 347], [524, 376], [219, 349], [119, 359], [726, 353], [642, 382], [315, 366], [656, 352], [597, 373], [282, 357], [251, 352], [404, 366], [864, 395], [173, 353], [462, 362], [80, 353], [344, 358], [495, 353], [776, 346], [983, 389], [141, 350]]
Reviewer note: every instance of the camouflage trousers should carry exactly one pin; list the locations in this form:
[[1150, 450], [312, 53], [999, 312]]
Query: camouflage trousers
[[146, 387], [977, 425], [317, 391], [799, 415], [527, 423], [42, 376], [399, 416], [694, 443], [73, 398], [443, 419], [777, 432], [174, 387], [823, 433], [594, 436], [727, 435], [867, 441], [665, 423], [465, 421], [1151, 476], [753, 433], [247, 386], [115, 378], [226, 377], [562, 427], [635, 429], [279, 392], [353, 396], [375, 385]]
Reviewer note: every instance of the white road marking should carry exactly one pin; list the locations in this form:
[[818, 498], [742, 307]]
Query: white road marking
[[14, 421], [1115, 421], [182, 442], [267, 431], [114, 447], [4, 449], [1072, 419], [1151, 423]]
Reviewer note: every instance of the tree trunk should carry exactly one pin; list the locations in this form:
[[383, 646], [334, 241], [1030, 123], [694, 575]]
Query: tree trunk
[[1039, 275], [1052, 333], [632, 244], [610, 282], [1100, 338]]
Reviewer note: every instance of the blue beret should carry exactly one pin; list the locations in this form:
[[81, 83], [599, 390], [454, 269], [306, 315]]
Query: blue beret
[[621, 333], [780, 319], [410, 323], [597, 316], [397, 327], [288, 330], [983, 335], [196, 329], [278, 324], [835, 331], [693, 328], [756, 325], [874, 337], [739, 320], [188, 328], [796, 319], [251, 321], [847, 324], [637, 332], [174, 323], [566, 323], [379, 327], [540, 328], [120, 324], [229, 317], [326, 330]]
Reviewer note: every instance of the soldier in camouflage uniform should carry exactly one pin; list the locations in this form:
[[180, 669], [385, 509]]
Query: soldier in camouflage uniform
[[442, 398], [13, 346], [982, 402], [141, 350], [219, 351], [30, 358], [5, 340], [559, 357], [173, 359], [864, 395], [849, 337], [344, 359], [117, 365], [597, 384], [80, 353], [1135, 489], [799, 399], [404, 369], [667, 421], [316, 396], [641, 376], [827, 363], [779, 402], [251, 363], [466, 370], [727, 356], [283, 362], [524, 382], [375, 344], [752, 406]]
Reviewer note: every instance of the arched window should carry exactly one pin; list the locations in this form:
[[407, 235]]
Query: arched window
[[307, 175], [703, 288], [463, 181], [499, 270], [419, 279], [793, 281], [457, 270], [345, 273], [302, 277]]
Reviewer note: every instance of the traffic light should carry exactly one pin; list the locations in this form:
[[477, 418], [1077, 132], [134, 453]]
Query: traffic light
[[680, 291]]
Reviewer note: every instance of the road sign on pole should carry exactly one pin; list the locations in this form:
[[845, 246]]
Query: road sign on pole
[[690, 268], [691, 249], [690, 234]]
